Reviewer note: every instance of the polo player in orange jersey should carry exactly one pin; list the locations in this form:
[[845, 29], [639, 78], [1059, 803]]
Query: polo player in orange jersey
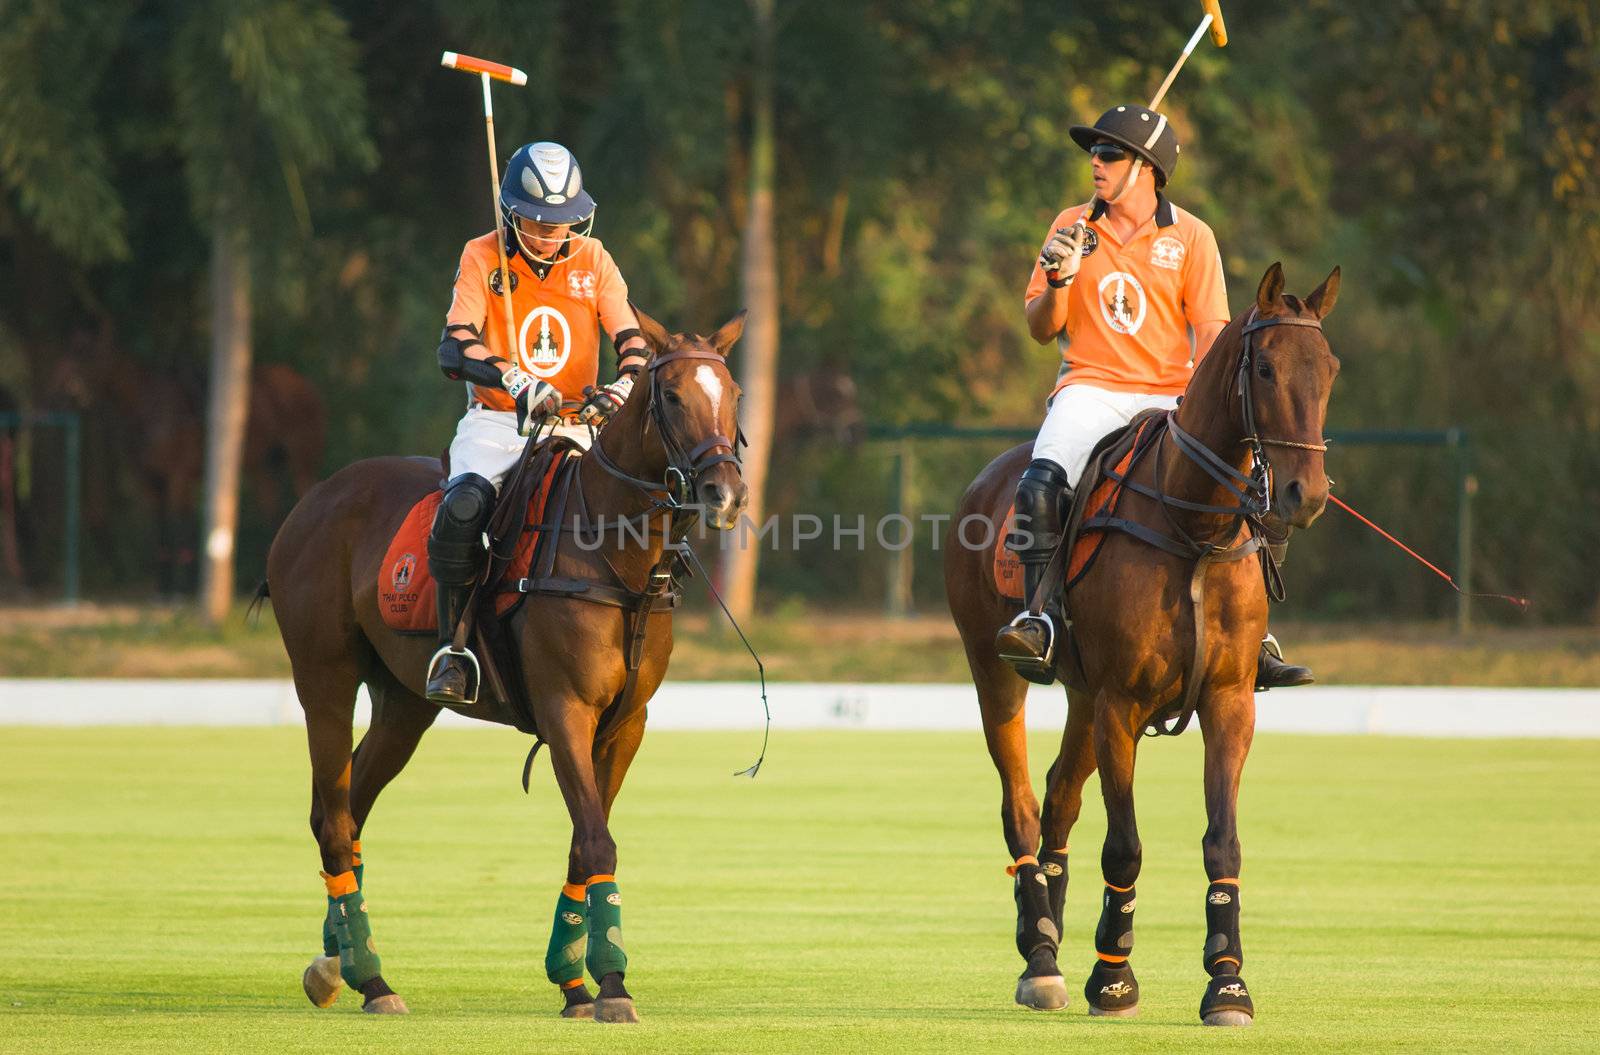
[[564, 287], [1130, 286]]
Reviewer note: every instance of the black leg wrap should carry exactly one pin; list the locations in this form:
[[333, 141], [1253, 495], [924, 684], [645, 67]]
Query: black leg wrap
[[1224, 953], [455, 545], [1226, 992], [1112, 989], [1053, 863], [1114, 934], [1036, 929], [374, 988]]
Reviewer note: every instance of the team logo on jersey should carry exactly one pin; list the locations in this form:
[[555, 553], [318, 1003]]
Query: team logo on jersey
[[544, 342], [1122, 302], [580, 284], [1167, 252], [1091, 241], [495, 283], [404, 569]]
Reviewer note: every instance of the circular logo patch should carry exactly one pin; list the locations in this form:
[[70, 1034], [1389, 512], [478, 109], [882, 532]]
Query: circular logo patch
[[404, 569], [495, 282], [545, 342], [1091, 241], [1122, 302]]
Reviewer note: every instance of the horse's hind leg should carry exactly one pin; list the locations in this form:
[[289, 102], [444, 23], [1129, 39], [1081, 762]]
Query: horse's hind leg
[[1112, 988], [1002, 699], [327, 693], [1228, 724]]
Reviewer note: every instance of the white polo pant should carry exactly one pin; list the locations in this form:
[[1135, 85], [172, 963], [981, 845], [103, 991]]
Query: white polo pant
[[1080, 415], [487, 443]]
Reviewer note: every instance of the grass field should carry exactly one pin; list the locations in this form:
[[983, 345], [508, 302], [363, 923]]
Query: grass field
[[131, 641], [160, 895]]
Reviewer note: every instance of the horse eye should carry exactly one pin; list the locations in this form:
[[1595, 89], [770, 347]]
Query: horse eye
[[671, 397], [1264, 371]]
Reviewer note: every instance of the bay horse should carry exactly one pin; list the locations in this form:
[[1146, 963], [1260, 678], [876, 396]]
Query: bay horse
[[1245, 441], [671, 441]]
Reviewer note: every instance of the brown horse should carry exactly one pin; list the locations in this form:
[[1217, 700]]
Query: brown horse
[[670, 441], [1247, 433]]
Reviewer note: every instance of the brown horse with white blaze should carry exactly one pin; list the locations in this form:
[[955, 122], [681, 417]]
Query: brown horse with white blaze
[[677, 437], [1165, 622]]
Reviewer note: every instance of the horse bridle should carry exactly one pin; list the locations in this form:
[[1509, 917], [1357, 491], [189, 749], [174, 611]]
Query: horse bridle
[[683, 467]]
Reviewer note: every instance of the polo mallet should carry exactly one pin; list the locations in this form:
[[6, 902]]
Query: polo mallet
[[511, 75], [1219, 37]]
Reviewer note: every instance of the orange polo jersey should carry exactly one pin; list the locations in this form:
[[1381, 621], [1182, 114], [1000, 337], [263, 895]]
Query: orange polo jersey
[[557, 317], [1131, 306]]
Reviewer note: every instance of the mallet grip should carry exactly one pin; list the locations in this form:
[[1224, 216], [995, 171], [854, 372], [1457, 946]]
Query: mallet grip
[[1219, 32], [455, 61]]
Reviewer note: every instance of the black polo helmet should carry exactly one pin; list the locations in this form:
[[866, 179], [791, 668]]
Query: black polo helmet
[[1148, 134]]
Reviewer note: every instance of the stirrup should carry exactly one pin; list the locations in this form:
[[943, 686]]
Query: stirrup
[[1041, 670], [473, 683]]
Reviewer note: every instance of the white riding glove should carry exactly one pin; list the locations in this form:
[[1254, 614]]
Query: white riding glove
[[536, 400], [1062, 255]]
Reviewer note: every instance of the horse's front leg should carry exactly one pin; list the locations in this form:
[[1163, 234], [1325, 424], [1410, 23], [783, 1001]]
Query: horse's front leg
[[1227, 721], [592, 865], [1112, 988]]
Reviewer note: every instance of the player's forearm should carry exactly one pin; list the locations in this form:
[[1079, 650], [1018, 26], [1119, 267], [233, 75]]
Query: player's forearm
[[1047, 314]]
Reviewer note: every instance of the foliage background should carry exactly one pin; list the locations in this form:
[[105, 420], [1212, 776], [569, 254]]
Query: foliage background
[[1442, 152]]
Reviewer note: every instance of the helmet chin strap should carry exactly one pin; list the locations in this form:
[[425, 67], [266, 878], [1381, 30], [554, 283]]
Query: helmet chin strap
[[1126, 184]]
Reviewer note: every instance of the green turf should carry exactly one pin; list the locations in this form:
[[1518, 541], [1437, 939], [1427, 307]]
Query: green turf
[[158, 893]]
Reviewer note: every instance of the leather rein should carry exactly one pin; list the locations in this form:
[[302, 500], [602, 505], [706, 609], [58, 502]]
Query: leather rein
[[1252, 491]]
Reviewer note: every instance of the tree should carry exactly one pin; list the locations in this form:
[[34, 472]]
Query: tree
[[268, 94]]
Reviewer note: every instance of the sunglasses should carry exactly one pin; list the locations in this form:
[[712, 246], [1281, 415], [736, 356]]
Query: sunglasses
[[1110, 153]]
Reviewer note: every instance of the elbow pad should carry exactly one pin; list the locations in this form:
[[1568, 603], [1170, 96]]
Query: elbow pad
[[458, 366]]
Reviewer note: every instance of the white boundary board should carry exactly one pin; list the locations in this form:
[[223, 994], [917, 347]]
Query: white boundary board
[[1382, 710]]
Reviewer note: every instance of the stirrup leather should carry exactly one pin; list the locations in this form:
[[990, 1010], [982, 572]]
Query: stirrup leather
[[473, 683]]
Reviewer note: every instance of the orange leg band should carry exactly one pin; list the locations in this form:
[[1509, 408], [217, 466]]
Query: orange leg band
[[341, 884], [1025, 859]]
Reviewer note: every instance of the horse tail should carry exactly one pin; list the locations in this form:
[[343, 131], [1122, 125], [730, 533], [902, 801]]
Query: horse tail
[[261, 595]]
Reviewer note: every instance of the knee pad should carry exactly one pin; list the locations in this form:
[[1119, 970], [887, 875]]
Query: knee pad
[[455, 545], [1039, 505]]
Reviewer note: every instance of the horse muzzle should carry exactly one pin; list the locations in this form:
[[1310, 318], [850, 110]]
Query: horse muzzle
[[1300, 503], [722, 499]]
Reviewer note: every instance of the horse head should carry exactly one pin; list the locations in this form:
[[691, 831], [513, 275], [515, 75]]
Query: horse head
[[1285, 375], [694, 414]]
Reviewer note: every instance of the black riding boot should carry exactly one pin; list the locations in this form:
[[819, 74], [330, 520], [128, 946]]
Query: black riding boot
[[455, 552], [1271, 671], [1028, 642]]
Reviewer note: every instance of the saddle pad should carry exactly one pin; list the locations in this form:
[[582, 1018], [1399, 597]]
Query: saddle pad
[[406, 590], [1008, 569]]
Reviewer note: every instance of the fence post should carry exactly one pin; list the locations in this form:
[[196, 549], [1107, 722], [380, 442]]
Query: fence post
[[902, 571], [1466, 490]]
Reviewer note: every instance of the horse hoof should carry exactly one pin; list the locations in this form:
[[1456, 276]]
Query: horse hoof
[[1113, 1012], [583, 1011], [322, 981], [1043, 993], [390, 1004], [1227, 1018], [615, 1009]]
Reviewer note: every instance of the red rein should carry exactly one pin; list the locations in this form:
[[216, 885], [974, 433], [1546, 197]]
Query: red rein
[[1520, 602]]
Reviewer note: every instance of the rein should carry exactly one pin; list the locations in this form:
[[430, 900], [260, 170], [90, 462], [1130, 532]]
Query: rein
[[1252, 492]]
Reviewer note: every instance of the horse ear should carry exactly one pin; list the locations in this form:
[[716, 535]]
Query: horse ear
[[1327, 295], [730, 332], [1270, 293], [655, 334]]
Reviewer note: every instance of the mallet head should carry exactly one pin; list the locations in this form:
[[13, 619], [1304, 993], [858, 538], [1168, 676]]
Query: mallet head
[[1219, 32]]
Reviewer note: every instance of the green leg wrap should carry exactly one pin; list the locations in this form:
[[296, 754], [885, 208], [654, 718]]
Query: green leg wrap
[[606, 955], [569, 938], [358, 957], [330, 940]]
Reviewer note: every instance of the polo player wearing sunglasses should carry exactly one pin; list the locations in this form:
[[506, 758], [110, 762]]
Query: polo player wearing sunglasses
[[1131, 288]]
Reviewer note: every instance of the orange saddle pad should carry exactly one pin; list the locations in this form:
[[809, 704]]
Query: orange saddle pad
[[1008, 569], [406, 590]]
